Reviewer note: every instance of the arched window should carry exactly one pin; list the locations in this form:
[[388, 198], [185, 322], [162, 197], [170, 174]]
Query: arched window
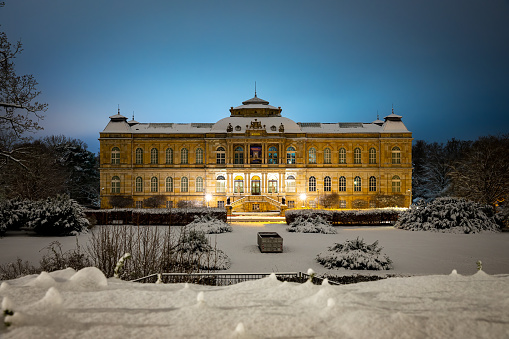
[[342, 156], [290, 184], [272, 186], [169, 156], [115, 156], [357, 184], [272, 155], [154, 156], [115, 184], [239, 155], [220, 184], [396, 155], [372, 155], [199, 156], [357, 156], [169, 184], [396, 184], [199, 184], [153, 184], [372, 184], [290, 155], [312, 155], [183, 156], [342, 184], [238, 184], [139, 184], [139, 156], [184, 185], [312, 184], [327, 156], [220, 155], [327, 184]]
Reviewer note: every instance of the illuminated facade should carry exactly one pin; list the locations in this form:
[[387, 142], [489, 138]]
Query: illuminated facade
[[256, 160]]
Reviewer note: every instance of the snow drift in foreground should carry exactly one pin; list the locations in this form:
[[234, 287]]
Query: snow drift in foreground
[[70, 304]]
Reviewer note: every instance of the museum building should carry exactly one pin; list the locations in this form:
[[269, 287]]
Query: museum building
[[256, 160]]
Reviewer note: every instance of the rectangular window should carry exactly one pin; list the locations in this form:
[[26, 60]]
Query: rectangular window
[[256, 207], [220, 186], [312, 204], [220, 204], [169, 204], [272, 186], [342, 204], [139, 204], [290, 186], [238, 186], [372, 204], [291, 204]]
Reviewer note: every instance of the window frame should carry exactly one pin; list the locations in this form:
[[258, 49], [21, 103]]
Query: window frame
[[396, 184], [169, 184], [396, 155], [199, 156], [357, 184], [220, 184], [327, 184], [220, 155], [238, 155], [115, 184], [169, 156], [372, 155], [372, 184], [342, 184], [154, 185], [154, 156], [115, 156], [342, 155], [357, 156], [327, 156], [184, 156], [138, 184], [199, 184], [138, 156], [290, 155], [312, 156], [184, 185], [312, 184]]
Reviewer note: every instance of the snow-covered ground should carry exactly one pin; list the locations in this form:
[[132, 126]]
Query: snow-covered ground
[[412, 253], [65, 304], [434, 304]]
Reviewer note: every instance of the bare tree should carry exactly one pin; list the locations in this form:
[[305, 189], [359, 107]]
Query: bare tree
[[19, 112], [483, 174]]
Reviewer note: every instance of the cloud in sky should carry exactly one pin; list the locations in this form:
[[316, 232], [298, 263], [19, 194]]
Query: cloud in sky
[[443, 65]]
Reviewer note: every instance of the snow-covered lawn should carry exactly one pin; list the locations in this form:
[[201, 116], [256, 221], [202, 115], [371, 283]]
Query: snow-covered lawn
[[64, 305], [435, 304]]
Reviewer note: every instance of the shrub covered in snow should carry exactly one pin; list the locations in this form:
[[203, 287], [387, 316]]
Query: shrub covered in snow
[[209, 225], [348, 217], [449, 215], [355, 255], [291, 215], [59, 216], [195, 246], [311, 224], [14, 214]]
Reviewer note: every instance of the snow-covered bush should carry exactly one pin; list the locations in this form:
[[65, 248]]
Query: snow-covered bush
[[450, 215], [355, 255], [196, 247], [291, 215], [311, 224], [59, 216], [14, 214], [209, 225]]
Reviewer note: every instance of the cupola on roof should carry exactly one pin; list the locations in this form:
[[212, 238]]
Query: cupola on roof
[[255, 107]]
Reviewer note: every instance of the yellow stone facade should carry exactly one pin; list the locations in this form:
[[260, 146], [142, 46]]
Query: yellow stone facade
[[256, 160]]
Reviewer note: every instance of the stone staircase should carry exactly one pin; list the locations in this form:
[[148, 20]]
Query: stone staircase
[[243, 204]]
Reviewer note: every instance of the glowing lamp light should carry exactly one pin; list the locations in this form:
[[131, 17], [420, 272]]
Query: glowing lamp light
[[303, 197], [208, 197]]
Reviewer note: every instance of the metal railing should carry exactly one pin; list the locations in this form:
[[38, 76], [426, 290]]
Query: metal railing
[[225, 279]]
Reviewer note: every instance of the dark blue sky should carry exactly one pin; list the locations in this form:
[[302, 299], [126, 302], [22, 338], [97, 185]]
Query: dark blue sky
[[444, 65]]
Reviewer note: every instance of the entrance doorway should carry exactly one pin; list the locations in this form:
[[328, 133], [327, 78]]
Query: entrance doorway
[[255, 185]]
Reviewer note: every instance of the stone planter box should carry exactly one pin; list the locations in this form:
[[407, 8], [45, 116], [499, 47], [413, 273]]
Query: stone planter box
[[270, 242]]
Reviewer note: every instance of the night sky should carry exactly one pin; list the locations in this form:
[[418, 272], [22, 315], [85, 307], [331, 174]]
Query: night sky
[[443, 65]]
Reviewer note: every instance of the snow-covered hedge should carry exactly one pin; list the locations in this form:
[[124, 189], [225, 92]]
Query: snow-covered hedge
[[355, 255], [209, 225], [450, 215], [155, 216], [311, 224], [58, 215], [348, 217]]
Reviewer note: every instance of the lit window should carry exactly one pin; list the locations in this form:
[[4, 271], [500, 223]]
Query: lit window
[[238, 184], [169, 184], [184, 185], [169, 156], [396, 184], [220, 155], [342, 204], [239, 155], [372, 156], [115, 184], [357, 156], [154, 156], [139, 184], [153, 184], [272, 155], [199, 156], [342, 156], [357, 184], [220, 204], [312, 184], [183, 156], [290, 184], [342, 184], [290, 155], [312, 155], [327, 156], [272, 186], [199, 184], [396, 155], [115, 155], [327, 184], [220, 184], [139, 156], [372, 184]]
